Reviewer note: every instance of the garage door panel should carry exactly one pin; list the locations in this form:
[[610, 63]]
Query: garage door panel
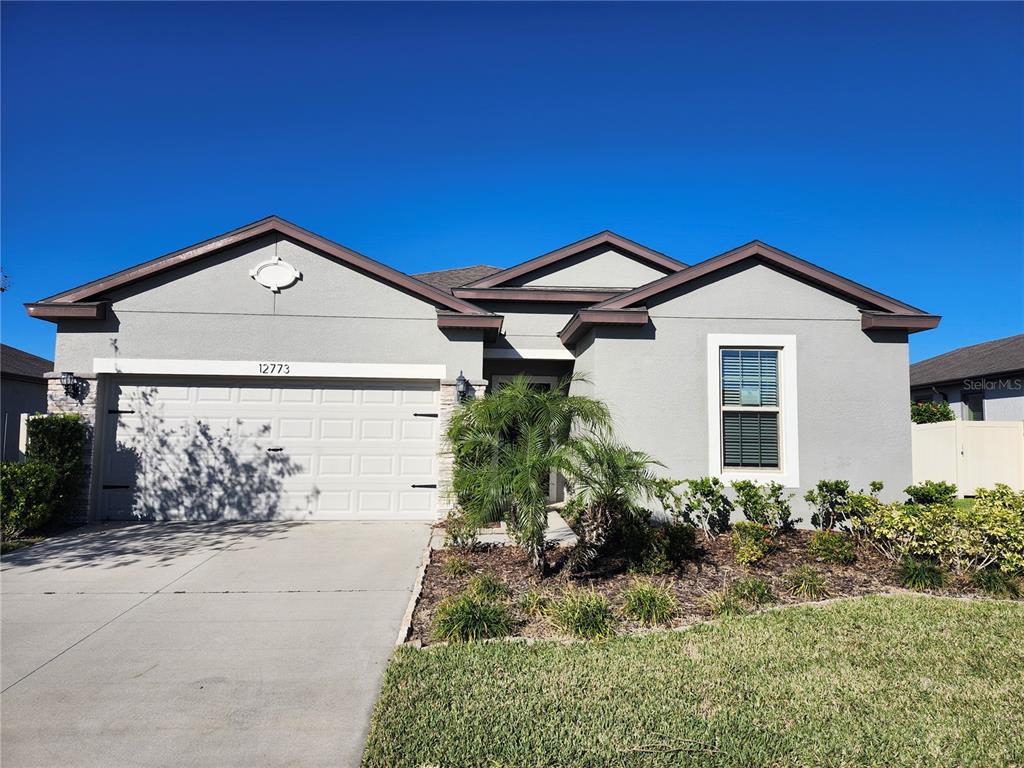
[[347, 450]]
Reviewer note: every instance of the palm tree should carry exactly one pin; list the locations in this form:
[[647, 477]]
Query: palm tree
[[505, 446]]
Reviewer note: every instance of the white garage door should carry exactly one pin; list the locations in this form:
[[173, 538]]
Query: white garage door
[[209, 449]]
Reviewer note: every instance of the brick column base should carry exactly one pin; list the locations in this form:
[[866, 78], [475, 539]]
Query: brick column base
[[445, 501], [58, 402]]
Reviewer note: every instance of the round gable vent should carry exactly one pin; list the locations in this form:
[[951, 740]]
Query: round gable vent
[[275, 274]]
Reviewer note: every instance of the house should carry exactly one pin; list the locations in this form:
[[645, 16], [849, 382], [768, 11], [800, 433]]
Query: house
[[982, 382], [270, 372], [22, 390]]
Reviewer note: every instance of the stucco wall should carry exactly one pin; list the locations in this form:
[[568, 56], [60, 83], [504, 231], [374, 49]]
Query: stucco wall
[[854, 418], [17, 397], [530, 325], [602, 269], [215, 311]]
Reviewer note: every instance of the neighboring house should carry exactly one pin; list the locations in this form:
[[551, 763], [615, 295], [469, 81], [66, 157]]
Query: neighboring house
[[982, 382], [22, 390], [271, 372]]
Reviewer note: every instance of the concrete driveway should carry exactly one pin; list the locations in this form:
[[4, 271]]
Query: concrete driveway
[[253, 644]]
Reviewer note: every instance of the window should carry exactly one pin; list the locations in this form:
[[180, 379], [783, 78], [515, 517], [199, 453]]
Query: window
[[974, 405], [750, 408]]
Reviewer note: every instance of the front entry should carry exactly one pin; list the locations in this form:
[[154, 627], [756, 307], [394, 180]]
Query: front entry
[[556, 485]]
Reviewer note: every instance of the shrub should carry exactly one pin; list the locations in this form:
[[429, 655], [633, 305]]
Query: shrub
[[930, 412], [456, 565], [831, 502], [999, 512], [460, 533], [765, 504], [724, 603], [649, 603], [920, 573], [486, 587], [831, 547], [28, 496], [805, 581], [466, 618], [751, 542], [996, 583], [931, 492], [534, 603], [658, 549], [583, 613], [753, 592], [705, 505], [58, 440]]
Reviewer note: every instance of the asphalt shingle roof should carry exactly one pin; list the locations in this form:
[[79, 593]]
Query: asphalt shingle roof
[[446, 279], [991, 357], [15, 362]]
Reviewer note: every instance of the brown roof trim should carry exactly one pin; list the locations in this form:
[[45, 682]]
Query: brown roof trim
[[571, 295], [642, 252], [489, 324], [263, 226], [586, 319], [785, 261], [84, 310], [905, 321]]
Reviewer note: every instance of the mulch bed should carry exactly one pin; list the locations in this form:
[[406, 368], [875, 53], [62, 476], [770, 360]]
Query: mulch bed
[[870, 573]]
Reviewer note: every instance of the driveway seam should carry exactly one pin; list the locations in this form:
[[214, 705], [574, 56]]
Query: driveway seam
[[122, 613]]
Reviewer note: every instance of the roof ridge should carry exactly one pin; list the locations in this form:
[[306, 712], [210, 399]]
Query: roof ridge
[[993, 344]]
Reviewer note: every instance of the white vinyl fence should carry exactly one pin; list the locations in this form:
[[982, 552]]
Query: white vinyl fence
[[972, 454]]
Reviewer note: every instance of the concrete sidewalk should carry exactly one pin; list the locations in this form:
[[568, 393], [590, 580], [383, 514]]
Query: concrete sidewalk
[[251, 644]]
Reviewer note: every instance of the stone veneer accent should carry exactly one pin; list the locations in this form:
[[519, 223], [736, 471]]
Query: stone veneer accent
[[58, 402], [445, 502]]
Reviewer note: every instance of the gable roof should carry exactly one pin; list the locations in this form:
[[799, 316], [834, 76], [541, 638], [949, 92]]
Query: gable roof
[[985, 359], [606, 238], [19, 364], [56, 306], [447, 279]]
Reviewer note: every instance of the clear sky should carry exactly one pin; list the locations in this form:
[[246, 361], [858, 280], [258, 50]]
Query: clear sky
[[882, 141]]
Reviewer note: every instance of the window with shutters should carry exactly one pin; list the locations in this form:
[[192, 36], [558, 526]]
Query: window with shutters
[[750, 406]]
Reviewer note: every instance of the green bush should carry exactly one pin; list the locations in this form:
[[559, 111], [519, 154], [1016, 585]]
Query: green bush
[[999, 512], [456, 565], [931, 492], [649, 603], [831, 502], [654, 549], [486, 587], [754, 592], [460, 533], [831, 547], [805, 581], [765, 504], [705, 505], [996, 583], [724, 602], [58, 440], [930, 412], [466, 618], [28, 496], [751, 542], [920, 573], [583, 613]]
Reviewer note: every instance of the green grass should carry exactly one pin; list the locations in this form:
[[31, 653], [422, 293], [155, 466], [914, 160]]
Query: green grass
[[920, 681]]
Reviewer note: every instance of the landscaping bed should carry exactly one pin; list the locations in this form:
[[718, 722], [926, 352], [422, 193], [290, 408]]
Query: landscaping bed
[[712, 571]]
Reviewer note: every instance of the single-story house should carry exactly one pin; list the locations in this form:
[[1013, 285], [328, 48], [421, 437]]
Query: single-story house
[[982, 382], [22, 390], [271, 372]]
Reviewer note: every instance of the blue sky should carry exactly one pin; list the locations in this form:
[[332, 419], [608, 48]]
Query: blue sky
[[882, 141]]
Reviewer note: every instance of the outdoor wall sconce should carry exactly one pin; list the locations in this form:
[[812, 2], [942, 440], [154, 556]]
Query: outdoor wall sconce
[[461, 387], [74, 387]]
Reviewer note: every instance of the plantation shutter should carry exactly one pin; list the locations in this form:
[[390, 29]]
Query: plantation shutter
[[750, 380]]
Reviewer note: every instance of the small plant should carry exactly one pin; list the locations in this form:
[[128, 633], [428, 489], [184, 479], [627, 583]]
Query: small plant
[[534, 603], [920, 573], [649, 603], [831, 502], [460, 533], [996, 583], [486, 587], [931, 492], [724, 602], [752, 591], [751, 542], [930, 412], [705, 505], [831, 547], [653, 549], [765, 504], [456, 565], [583, 613], [466, 618], [804, 581]]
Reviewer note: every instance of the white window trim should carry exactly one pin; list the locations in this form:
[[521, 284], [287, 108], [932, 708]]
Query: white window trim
[[789, 449]]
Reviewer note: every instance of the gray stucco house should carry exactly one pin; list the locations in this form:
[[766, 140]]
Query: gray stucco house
[[22, 390], [981, 382], [271, 372]]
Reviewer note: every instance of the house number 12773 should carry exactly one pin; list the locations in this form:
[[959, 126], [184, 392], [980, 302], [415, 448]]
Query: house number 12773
[[275, 368]]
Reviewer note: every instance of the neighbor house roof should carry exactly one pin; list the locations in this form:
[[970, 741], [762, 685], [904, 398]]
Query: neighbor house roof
[[447, 279], [985, 359], [18, 364]]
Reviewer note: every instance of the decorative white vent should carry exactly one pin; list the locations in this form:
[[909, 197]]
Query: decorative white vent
[[275, 274]]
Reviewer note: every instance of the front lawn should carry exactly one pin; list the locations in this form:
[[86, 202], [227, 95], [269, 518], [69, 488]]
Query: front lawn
[[875, 681]]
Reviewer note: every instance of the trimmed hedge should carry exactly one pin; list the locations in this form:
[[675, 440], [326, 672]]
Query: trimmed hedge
[[28, 496], [58, 440]]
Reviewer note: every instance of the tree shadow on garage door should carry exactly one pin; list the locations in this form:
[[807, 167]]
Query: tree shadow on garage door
[[196, 470]]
